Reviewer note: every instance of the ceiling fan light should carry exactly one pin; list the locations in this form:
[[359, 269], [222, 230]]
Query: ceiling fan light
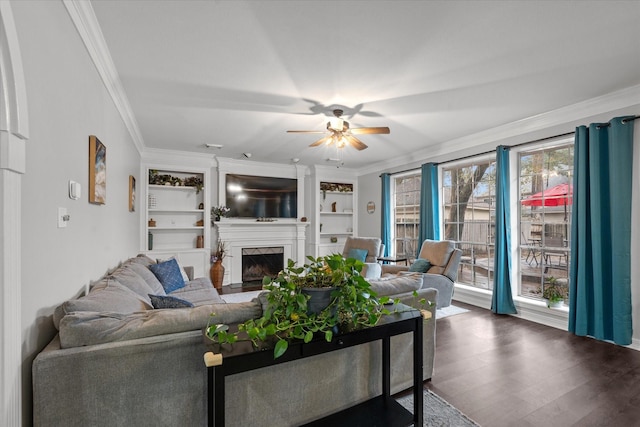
[[336, 123]]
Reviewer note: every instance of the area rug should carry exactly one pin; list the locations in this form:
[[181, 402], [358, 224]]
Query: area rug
[[451, 310], [437, 412]]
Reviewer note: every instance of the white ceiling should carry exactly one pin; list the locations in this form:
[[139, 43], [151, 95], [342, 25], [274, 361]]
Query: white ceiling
[[241, 73]]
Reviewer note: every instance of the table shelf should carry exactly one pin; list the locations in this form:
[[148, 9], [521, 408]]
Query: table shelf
[[240, 358]]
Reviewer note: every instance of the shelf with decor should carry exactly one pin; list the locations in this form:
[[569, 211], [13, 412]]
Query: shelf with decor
[[177, 210], [335, 215]]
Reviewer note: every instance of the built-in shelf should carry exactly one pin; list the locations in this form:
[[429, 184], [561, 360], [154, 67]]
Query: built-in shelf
[[175, 211], [176, 228], [336, 213], [172, 187]]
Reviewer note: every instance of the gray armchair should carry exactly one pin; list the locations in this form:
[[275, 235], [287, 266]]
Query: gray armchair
[[444, 259], [374, 248]]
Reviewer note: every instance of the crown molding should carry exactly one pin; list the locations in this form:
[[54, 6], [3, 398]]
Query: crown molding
[[86, 23], [161, 155], [566, 118]]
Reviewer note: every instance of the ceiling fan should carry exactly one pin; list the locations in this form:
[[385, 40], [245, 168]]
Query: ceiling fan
[[340, 134]]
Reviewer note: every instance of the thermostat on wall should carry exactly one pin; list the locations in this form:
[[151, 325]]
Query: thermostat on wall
[[75, 190]]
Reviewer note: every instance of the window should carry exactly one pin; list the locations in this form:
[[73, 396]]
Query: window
[[406, 214], [545, 184], [468, 197]]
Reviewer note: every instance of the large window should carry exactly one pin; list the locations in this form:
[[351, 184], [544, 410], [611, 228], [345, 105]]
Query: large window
[[468, 200], [545, 181], [406, 214]]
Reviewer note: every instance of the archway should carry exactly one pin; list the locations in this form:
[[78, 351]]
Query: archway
[[13, 136]]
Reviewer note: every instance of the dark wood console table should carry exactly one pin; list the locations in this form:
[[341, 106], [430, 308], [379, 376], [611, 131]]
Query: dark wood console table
[[381, 410]]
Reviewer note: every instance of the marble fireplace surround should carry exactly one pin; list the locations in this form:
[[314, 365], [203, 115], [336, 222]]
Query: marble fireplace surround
[[249, 233]]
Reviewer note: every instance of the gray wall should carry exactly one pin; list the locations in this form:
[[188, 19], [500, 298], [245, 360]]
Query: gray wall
[[67, 102], [369, 189]]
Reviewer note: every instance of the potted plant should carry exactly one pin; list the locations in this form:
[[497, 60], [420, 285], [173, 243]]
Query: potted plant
[[218, 212], [554, 292], [194, 181], [352, 304]]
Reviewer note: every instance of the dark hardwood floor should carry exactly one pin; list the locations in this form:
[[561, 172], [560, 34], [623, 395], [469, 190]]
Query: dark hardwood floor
[[504, 371]]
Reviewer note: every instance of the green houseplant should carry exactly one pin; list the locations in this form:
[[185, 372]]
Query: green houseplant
[[554, 292], [352, 305]]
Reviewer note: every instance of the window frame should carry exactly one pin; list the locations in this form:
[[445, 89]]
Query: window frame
[[457, 164], [409, 173], [516, 209]]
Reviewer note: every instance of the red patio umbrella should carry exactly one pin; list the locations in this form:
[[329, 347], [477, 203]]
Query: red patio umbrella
[[557, 195]]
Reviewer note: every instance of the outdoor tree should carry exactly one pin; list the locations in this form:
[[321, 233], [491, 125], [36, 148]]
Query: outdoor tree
[[464, 181]]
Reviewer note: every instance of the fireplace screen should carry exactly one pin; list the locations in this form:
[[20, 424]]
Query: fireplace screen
[[260, 262]]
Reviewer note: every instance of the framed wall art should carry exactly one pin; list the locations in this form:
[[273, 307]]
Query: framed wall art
[[371, 207], [132, 193], [97, 171]]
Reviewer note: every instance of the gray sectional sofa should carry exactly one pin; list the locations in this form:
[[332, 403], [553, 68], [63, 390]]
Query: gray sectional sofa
[[118, 361]]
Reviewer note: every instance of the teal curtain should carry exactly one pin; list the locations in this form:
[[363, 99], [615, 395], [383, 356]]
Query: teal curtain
[[385, 233], [502, 301], [429, 205], [600, 270]]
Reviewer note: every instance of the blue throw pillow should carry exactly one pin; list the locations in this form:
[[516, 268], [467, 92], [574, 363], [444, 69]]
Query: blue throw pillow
[[420, 265], [164, 301], [168, 274], [359, 254]]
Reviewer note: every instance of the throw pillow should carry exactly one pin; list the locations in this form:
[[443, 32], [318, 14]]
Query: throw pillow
[[185, 276], [168, 273], [420, 265], [164, 301], [359, 254]]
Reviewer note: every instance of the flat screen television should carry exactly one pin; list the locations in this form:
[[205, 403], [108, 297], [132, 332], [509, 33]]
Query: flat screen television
[[261, 197]]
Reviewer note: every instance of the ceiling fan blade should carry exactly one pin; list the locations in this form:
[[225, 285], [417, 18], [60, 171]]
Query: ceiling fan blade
[[306, 131], [321, 141], [369, 131], [355, 142]]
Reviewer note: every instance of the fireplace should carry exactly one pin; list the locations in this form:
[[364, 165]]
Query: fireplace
[[260, 262], [241, 234]]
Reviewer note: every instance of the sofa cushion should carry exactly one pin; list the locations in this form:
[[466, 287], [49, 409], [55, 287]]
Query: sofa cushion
[[90, 328], [107, 295], [165, 301], [359, 254], [393, 284], [420, 266], [129, 278], [168, 273], [437, 252], [142, 259], [199, 291], [371, 244], [150, 278]]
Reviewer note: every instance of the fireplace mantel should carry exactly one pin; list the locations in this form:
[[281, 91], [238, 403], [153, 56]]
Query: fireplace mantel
[[243, 233]]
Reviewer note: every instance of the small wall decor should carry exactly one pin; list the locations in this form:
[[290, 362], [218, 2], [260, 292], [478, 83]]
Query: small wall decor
[[97, 171], [371, 207], [132, 193]]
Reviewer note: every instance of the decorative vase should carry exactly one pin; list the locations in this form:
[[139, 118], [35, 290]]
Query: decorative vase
[[217, 274], [320, 298], [217, 218]]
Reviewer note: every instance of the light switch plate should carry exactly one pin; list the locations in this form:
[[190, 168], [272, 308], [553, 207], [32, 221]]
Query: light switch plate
[[63, 217]]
